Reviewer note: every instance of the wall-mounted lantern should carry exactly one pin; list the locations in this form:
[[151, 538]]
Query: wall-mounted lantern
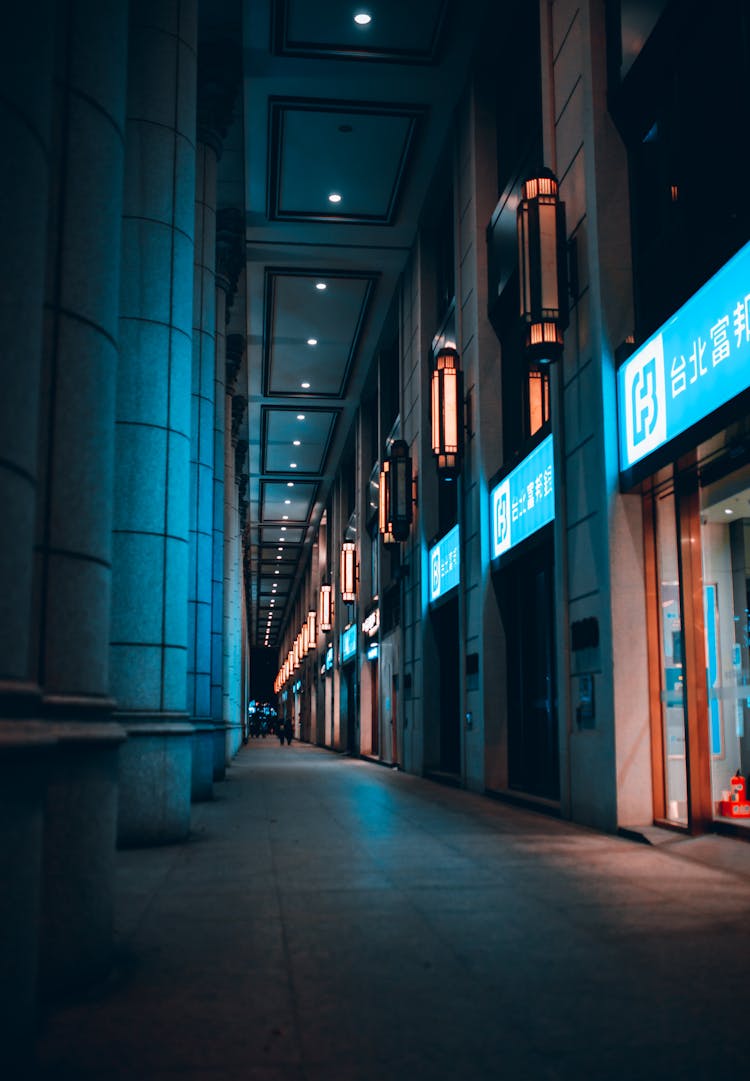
[[312, 633], [325, 606], [448, 412], [542, 267], [304, 640], [295, 654], [395, 512], [348, 575]]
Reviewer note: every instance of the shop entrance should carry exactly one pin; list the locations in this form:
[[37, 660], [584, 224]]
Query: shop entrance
[[348, 708], [445, 621], [698, 539], [533, 750]]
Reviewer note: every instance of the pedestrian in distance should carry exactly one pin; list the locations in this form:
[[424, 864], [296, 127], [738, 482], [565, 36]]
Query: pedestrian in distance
[[287, 732]]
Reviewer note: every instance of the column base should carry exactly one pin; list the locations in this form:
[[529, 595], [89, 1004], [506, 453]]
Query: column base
[[233, 740], [26, 752], [155, 783], [220, 757], [78, 875], [203, 762]]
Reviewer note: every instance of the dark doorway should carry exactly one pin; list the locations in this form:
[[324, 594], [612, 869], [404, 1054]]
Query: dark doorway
[[445, 622], [348, 709], [374, 711], [533, 751]]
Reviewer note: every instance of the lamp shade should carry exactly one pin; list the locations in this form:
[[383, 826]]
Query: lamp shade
[[326, 608], [542, 267], [396, 494], [348, 572], [447, 402]]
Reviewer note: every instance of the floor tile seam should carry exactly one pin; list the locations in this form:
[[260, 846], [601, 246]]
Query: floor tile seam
[[296, 1013]]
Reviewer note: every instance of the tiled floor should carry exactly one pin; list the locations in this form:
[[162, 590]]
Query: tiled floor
[[331, 920]]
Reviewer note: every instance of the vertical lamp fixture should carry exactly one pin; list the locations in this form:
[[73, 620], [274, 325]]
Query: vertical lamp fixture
[[304, 640], [447, 412], [326, 608], [295, 655], [540, 225], [312, 636], [395, 512], [348, 572]]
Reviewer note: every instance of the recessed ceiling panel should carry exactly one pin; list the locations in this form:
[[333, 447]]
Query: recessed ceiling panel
[[293, 498], [302, 438], [278, 534], [333, 163], [312, 334], [398, 30]]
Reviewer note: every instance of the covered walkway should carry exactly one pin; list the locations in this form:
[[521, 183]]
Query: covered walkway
[[330, 920]]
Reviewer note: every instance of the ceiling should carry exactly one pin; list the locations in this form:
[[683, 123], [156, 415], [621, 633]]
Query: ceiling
[[329, 108]]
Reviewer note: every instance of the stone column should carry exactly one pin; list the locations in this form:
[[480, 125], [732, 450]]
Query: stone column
[[150, 550], [229, 259], [26, 64], [234, 457], [74, 499], [218, 79]]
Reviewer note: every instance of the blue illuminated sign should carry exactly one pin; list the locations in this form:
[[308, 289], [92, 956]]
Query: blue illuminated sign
[[372, 652], [445, 564], [349, 642], [329, 658], [696, 362], [524, 501]]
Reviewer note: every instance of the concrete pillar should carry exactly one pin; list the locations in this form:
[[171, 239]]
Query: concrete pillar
[[74, 497], [26, 65], [230, 254], [218, 80], [236, 404], [201, 472], [150, 550]]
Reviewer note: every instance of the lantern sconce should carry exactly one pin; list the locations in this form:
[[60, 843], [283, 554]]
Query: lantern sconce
[[326, 608], [312, 636], [304, 640], [542, 267], [348, 578], [447, 403], [396, 494]]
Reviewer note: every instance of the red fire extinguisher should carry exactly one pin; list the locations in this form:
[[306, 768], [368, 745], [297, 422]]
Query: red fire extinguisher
[[738, 788]]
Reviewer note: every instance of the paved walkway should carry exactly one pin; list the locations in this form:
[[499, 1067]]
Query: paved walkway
[[331, 920]]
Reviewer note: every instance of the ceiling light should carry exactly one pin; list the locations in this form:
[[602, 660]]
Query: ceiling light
[[292, 465], [290, 484], [728, 510], [285, 517], [321, 286], [362, 18], [283, 528], [305, 386], [278, 557], [312, 341], [275, 572], [300, 416], [296, 443], [334, 197], [287, 502], [280, 549]]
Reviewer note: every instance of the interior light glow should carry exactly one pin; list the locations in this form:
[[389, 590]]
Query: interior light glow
[[300, 416], [728, 510], [312, 341], [296, 443], [321, 286], [285, 517], [362, 18], [334, 197], [290, 484], [275, 572], [292, 465], [305, 386], [283, 529]]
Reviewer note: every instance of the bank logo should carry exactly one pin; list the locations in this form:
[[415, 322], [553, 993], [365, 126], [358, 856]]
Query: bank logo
[[435, 573], [501, 519], [645, 401]]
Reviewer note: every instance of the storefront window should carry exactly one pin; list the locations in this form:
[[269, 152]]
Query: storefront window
[[672, 666], [725, 545]]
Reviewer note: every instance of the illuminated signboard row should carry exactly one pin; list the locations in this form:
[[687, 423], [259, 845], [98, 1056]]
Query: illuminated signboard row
[[524, 501], [695, 363], [445, 564]]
